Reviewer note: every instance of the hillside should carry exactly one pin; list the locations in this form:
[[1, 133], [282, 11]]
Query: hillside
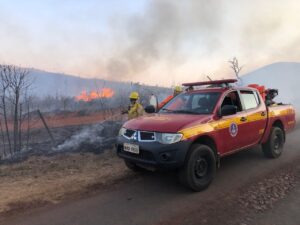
[[284, 76], [57, 84], [47, 83]]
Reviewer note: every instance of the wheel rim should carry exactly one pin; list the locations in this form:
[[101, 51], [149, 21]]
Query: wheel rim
[[201, 167], [277, 144]]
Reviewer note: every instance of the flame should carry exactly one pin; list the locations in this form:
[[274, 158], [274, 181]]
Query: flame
[[92, 95]]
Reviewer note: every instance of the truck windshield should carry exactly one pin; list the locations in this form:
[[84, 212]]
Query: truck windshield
[[192, 103]]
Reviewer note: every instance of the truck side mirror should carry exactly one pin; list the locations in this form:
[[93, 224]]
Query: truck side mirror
[[150, 109], [153, 101], [227, 110]]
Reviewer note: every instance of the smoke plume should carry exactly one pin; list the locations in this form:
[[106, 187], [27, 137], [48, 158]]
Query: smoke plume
[[161, 32], [159, 41], [93, 138], [182, 33]]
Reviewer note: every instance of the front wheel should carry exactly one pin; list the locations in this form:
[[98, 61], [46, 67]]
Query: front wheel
[[274, 146], [199, 169]]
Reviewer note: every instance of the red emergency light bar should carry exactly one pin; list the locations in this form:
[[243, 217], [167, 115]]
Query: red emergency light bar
[[211, 82]]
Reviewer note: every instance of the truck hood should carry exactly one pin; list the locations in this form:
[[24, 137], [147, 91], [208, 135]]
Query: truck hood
[[166, 123]]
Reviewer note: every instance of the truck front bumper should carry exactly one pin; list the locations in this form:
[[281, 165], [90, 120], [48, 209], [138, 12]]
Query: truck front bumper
[[155, 154]]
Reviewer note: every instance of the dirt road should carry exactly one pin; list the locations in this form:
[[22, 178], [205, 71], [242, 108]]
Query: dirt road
[[158, 198]]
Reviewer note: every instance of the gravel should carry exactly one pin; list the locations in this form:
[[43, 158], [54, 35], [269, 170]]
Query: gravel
[[264, 194]]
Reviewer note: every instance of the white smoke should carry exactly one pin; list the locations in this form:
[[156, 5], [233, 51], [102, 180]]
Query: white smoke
[[283, 76], [92, 138]]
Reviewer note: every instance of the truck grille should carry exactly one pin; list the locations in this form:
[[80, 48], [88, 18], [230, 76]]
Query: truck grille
[[147, 136], [142, 136]]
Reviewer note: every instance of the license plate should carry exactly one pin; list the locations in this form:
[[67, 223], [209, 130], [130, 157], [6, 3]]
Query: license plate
[[131, 148]]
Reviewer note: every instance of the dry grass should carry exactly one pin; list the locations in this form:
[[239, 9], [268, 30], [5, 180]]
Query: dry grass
[[74, 119], [41, 180], [69, 119]]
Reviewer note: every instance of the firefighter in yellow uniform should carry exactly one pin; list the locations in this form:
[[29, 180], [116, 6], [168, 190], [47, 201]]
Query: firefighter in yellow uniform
[[135, 109]]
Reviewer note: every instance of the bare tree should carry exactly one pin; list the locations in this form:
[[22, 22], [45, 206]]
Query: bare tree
[[3, 137], [234, 64], [28, 100], [15, 82], [5, 73], [19, 83]]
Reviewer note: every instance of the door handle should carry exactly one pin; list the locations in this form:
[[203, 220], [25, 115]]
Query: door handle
[[243, 119], [263, 114]]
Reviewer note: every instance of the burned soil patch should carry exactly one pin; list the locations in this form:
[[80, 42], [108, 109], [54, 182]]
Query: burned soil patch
[[78, 138]]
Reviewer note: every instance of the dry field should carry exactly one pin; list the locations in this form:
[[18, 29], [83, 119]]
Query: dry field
[[43, 180], [44, 175]]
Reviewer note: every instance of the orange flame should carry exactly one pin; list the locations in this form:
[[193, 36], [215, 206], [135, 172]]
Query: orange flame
[[92, 95]]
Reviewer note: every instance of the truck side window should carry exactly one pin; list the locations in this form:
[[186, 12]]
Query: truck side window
[[249, 99], [233, 98]]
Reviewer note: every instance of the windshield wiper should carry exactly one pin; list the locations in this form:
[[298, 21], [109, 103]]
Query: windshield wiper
[[180, 111], [185, 111], [168, 110]]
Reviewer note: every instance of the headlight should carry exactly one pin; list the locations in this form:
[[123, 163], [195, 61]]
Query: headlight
[[166, 138], [122, 131]]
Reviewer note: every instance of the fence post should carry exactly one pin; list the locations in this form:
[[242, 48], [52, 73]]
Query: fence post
[[46, 126]]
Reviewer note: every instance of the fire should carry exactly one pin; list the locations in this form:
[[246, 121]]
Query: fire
[[95, 94]]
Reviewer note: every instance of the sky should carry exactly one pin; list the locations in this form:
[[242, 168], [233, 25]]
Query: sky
[[162, 42]]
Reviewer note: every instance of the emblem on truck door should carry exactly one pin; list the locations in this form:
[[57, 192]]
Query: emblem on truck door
[[233, 129]]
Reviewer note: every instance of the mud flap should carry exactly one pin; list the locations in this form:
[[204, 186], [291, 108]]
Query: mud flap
[[218, 161]]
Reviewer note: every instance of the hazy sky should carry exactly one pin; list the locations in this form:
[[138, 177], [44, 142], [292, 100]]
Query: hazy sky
[[156, 42]]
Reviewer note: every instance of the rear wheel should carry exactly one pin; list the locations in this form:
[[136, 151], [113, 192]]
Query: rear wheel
[[274, 146], [199, 169]]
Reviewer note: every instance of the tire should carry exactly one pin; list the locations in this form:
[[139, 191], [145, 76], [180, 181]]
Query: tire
[[199, 169], [133, 167], [274, 146]]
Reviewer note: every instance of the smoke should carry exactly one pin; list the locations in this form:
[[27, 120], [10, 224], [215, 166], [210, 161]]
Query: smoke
[[283, 76], [159, 39], [174, 33], [93, 138], [162, 33]]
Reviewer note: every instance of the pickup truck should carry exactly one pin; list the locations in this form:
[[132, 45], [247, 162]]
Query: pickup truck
[[194, 130]]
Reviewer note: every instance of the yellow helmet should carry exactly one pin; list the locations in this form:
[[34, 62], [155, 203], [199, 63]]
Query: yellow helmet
[[134, 95], [177, 89]]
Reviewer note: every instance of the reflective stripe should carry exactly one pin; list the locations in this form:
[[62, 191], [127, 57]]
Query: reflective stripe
[[291, 122], [281, 112], [225, 123]]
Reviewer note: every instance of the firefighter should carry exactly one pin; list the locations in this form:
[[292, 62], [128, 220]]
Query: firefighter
[[135, 109], [177, 91]]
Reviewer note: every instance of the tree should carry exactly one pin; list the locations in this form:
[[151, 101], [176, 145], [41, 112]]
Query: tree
[[4, 78], [234, 64], [15, 82]]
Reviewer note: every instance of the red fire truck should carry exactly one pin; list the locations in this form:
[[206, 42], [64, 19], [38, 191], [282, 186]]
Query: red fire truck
[[210, 120]]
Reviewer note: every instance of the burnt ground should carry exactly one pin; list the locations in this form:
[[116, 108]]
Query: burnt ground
[[248, 189], [82, 159], [93, 138]]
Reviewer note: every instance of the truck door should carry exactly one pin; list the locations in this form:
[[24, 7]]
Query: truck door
[[256, 116], [231, 129]]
